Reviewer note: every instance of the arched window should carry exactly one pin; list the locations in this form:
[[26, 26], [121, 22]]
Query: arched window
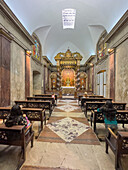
[[101, 46], [36, 52]]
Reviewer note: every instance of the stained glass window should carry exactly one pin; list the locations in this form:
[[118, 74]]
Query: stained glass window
[[37, 50]]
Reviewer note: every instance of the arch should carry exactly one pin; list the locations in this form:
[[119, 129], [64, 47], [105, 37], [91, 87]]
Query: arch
[[83, 81], [36, 82], [53, 77], [101, 47], [68, 77]]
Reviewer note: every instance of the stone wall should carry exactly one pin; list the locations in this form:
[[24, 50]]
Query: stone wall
[[118, 40], [121, 76], [17, 73], [20, 43]]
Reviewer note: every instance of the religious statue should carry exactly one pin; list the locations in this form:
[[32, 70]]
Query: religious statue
[[68, 81]]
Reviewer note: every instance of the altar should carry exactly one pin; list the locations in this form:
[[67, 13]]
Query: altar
[[68, 90]]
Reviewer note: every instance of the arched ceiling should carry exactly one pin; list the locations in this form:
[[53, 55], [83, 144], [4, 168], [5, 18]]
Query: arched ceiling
[[44, 17]]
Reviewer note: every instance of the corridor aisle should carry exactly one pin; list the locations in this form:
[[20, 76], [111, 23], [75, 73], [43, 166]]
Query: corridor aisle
[[68, 143]]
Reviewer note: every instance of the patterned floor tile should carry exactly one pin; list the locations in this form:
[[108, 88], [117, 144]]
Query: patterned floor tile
[[68, 108], [68, 128]]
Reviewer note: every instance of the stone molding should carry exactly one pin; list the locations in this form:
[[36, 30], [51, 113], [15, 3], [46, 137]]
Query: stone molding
[[14, 19], [36, 60], [120, 23], [101, 60], [5, 33]]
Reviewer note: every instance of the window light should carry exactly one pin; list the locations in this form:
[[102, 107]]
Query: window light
[[68, 17]]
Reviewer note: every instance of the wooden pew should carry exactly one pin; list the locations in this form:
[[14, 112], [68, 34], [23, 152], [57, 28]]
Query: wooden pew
[[95, 105], [33, 114], [17, 136], [46, 95], [47, 105], [118, 144], [121, 117], [89, 96], [43, 99], [84, 100]]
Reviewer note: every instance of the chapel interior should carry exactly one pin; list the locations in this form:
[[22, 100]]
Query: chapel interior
[[51, 53]]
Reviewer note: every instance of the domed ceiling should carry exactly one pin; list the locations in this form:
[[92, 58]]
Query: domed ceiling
[[44, 17]]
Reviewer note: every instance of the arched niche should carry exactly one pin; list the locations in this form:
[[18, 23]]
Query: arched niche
[[83, 81], [68, 77], [53, 78], [101, 47], [36, 82]]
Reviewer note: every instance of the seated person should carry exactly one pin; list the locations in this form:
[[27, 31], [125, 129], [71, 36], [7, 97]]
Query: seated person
[[53, 96], [85, 95], [16, 117], [109, 113]]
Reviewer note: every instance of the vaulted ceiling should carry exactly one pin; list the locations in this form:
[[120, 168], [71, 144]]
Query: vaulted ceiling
[[44, 17]]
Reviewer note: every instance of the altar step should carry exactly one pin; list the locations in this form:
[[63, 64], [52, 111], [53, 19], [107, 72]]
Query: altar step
[[68, 97]]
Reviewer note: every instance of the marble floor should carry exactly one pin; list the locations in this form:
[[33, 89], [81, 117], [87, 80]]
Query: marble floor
[[63, 156]]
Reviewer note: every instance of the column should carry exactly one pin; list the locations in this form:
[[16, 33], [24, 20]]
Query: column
[[112, 73], [27, 74], [5, 57]]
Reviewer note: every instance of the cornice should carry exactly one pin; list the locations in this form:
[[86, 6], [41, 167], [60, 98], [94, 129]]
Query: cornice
[[47, 60], [36, 60], [6, 34], [123, 20], [90, 58], [14, 19], [101, 60]]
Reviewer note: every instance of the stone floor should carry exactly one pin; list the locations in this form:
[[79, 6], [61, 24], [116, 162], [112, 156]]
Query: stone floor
[[63, 156]]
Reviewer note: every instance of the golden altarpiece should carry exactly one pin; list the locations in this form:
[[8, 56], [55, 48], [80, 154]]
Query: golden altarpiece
[[68, 72]]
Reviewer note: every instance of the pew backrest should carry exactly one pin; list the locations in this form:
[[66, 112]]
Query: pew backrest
[[95, 105], [42, 99], [84, 100], [46, 95], [121, 117], [36, 104]]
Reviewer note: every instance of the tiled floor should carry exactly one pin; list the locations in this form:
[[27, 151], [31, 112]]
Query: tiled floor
[[62, 155]]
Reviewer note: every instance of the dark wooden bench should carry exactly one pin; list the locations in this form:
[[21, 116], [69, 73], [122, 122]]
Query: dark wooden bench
[[43, 99], [121, 117], [84, 100], [46, 95], [89, 96], [118, 144], [33, 114], [47, 105], [17, 136], [95, 105]]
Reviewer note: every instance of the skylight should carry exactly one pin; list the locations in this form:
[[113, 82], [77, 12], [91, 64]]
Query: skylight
[[68, 17]]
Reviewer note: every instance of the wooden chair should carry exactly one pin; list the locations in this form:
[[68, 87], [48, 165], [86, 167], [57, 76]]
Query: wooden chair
[[118, 144]]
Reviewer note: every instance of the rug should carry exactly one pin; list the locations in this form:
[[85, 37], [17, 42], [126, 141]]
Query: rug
[[27, 167], [68, 130]]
